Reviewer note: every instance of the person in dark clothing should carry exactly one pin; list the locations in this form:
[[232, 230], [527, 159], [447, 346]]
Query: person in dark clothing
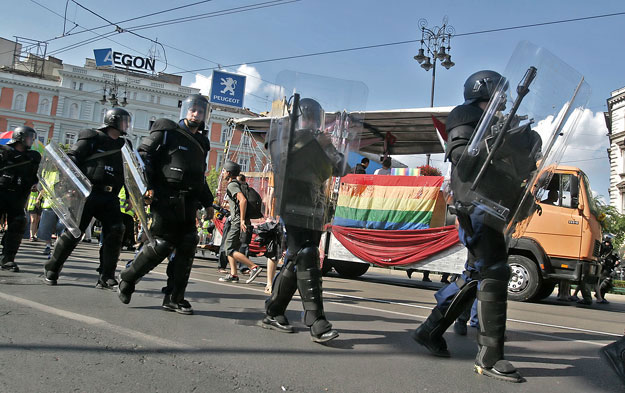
[[97, 153], [175, 161], [361, 169], [18, 173]]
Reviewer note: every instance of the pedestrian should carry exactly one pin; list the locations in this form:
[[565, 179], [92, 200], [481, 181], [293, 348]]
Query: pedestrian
[[270, 236], [18, 174], [486, 270], [128, 218], [386, 167], [239, 224], [175, 163], [97, 154], [34, 210], [361, 169], [303, 206]]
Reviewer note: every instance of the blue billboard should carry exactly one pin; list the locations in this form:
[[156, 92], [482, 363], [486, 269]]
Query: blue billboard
[[227, 89]]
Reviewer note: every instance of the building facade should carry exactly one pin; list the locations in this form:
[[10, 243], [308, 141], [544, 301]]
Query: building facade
[[65, 98], [615, 121]]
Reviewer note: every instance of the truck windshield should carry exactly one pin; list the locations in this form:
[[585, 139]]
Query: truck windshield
[[594, 209]]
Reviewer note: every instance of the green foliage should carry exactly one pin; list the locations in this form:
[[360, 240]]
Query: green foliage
[[212, 178], [613, 223], [427, 170]]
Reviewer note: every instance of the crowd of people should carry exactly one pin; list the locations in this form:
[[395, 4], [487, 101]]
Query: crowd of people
[[175, 155]]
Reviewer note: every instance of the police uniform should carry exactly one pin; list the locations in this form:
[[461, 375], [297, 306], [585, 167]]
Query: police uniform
[[99, 158], [311, 162], [18, 173], [486, 272], [175, 162]]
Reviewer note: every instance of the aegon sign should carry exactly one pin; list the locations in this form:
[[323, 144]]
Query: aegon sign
[[106, 57]]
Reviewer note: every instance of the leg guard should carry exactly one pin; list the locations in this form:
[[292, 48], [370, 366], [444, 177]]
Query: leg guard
[[13, 237], [62, 250], [492, 298], [309, 286], [430, 332], [284, 287], [148, 258], [111, 247], [181, 265]]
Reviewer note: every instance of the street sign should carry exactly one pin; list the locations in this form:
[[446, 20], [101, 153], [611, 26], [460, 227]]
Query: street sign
[[227, 89], [108, 57]]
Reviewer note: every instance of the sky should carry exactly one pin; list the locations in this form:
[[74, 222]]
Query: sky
[[239, 35]]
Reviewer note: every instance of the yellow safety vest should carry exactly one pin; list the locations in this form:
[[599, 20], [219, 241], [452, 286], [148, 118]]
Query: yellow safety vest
[[123, 203]]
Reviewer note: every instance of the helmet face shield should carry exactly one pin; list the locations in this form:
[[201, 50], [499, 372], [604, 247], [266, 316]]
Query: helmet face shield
[[124, 124], [118, 119], [195, 110]]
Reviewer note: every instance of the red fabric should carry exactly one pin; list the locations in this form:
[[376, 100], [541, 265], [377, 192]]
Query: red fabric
[[255, 248], [393, 248], [440, 127]]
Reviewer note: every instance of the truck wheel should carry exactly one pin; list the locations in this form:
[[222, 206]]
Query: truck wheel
[[546, 289], [525, 280], [326, 267], [350, 269]]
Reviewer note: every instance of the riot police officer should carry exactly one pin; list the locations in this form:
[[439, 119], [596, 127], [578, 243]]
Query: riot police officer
[[175, 164], [486, 272], [18, 173], [97, 153], [312, 160]]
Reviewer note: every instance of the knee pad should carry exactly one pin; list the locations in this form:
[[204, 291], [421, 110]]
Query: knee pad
[[162, 248], [188, 243], [307, 258], [115, 231], [499, 271]]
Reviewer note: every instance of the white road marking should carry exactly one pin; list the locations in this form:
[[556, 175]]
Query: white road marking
[[134, 334]]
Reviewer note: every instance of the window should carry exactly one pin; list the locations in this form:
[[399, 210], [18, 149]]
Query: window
[[134, 95], [220, 158], [158, 99], [18, 104], [245, 140], [152, 120], [102, 114], [70, 138], [74, 85], [44, 107], [224, 134], [245, 163], [151, 97], [80, 86], [73, 111]]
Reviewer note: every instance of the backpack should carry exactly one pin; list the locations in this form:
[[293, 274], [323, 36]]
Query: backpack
[[254, 201]]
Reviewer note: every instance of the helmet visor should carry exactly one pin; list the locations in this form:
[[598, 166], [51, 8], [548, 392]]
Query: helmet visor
[[194, 111]]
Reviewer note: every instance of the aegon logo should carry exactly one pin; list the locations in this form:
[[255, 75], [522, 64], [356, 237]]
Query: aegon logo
[[106, 57]]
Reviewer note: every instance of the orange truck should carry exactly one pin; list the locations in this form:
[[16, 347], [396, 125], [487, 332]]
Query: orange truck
[[561, 242]]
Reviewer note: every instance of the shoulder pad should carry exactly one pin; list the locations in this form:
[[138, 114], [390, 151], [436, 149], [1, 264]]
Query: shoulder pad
[[34, 155], [463, 115], [163, 124], [87, 133]]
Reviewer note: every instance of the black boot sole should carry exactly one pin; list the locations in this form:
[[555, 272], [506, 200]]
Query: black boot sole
[[433, 351], [321, 339], [281, 329]]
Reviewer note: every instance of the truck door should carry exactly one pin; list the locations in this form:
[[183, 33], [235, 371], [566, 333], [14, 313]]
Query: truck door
[[559, 228]]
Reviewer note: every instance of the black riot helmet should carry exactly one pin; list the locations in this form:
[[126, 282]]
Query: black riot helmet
[[232, 167], [311, 116], [195, 110], [481, 85], [25, 135], [118, 119]]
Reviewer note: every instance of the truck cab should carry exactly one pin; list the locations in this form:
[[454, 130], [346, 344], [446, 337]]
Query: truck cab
[[561, 241]]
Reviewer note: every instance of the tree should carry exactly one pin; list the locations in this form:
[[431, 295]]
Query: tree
[[611, 222], [212, 179]]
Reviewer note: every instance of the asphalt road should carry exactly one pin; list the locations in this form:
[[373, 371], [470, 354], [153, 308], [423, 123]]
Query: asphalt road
[[74, 337]]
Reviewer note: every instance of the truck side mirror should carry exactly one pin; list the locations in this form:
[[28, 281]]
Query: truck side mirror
[[574, 192]]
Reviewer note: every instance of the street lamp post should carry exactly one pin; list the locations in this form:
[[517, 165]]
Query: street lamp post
[[435, 46], [113, 88]]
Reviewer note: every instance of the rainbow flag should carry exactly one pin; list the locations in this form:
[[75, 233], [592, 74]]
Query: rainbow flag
[[405, 171], [387, 202]]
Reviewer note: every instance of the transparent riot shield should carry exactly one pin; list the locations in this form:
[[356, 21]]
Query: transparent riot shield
[[65, 185], [520, 138], [309, 147], [134, 179]]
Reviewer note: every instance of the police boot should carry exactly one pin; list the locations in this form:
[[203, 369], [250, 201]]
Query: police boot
[[430, 334], [109, 255], [181, 264], [614, 355], [62, 250], [148, 258], [284, 287], [310, 290], [492, 303]]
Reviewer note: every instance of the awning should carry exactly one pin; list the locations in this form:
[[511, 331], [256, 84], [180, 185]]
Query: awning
[[404, 131]]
